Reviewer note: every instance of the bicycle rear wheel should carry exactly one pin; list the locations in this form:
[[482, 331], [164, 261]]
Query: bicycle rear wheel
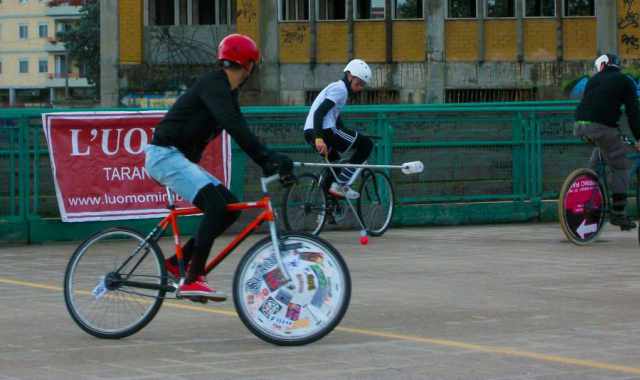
[[115, 283], [304, 205], [376, 202], [301, 310], [582, 206]]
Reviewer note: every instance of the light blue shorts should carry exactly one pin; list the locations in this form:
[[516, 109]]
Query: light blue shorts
[[167, 165]]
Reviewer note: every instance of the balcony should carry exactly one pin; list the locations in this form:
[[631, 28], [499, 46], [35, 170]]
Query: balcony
[[54, 46], [63, 11], [60, 80]]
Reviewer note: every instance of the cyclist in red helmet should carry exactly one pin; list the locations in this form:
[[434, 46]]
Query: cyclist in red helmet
[[197, 117]]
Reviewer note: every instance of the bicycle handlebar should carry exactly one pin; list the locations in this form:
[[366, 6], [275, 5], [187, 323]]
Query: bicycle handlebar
[[265, 181]]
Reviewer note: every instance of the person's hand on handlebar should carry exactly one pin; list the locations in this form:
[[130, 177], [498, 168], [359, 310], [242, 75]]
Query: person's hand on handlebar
[[321, 147], [283, 166]]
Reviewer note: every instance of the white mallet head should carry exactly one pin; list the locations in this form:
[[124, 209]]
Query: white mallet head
[[412, 167]]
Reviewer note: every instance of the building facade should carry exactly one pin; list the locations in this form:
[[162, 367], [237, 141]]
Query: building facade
[[34, 67], [420, 50]]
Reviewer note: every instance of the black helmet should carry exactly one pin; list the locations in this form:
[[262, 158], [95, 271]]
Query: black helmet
[[607, 60]]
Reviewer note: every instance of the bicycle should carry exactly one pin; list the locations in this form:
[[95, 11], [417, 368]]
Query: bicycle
[[308, 205], [583, 204], [288, 289]]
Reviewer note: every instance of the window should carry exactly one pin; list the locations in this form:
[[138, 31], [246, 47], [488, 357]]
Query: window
[[24, 66], [62, 27], [23, 1], [23, 31], [539, 8], [369, 9], [212, 12], [500, 8], [162, 12], [43, 66], [407, 9], [332, 10], [43, 30], [60, 66], [462, 9], [579, 8], [294, 10]]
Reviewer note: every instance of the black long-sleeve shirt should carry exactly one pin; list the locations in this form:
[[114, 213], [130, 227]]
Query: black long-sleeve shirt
[[604, 94], [200, 114]]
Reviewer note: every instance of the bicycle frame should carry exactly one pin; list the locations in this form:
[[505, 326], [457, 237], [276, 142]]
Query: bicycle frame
[[267, 215]]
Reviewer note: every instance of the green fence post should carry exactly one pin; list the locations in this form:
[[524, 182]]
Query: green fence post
[[12, 151], [36, 173], [23, 172], [519, 157], [538, 160]]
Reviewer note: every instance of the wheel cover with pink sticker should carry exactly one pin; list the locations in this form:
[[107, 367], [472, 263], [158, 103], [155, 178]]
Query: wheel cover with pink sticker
[[308, 306], [584, 208]]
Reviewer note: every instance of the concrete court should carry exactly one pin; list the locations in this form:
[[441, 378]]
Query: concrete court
[[468, 302]]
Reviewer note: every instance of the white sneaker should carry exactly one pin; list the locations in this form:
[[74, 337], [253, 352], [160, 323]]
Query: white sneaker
[[342, 191]]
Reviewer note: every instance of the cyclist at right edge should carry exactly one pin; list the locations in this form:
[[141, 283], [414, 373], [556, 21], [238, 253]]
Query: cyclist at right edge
[[597, 118]]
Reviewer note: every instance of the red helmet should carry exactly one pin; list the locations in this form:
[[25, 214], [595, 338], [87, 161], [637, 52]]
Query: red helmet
[[240, 49]]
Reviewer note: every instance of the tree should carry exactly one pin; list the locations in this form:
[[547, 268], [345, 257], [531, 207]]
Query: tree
[[409, 9], [82, 40]]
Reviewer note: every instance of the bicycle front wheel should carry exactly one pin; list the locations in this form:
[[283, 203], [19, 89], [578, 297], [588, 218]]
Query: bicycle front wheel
[[298, 310], [115, 283], [582, 206], [304, 205], [376, 202]]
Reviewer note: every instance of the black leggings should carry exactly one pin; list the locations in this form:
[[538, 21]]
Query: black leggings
[[212, 200]]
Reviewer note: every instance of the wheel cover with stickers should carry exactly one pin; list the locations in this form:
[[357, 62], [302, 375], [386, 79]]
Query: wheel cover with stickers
[[584, 208], [300, 310]]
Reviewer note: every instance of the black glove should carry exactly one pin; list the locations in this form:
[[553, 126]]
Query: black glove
[[277, 163]]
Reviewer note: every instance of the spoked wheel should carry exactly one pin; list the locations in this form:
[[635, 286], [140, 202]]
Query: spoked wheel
[[302, 309], [582, 206], [304, 205], [115, 283], [376, 202]]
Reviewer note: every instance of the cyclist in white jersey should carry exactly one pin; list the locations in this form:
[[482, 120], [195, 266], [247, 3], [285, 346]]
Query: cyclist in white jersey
[[325, 131]]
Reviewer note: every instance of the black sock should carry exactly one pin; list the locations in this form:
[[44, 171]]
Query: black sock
[[619, 202], [187, 252]]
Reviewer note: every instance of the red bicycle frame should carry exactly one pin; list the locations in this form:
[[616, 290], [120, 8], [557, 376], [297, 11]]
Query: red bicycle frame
[[172, 219]]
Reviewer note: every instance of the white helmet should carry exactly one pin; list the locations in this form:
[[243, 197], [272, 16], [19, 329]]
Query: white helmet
[[359, 68], [608, 60]]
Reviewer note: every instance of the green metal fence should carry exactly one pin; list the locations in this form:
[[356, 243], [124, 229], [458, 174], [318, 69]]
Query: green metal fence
[[483, 162]]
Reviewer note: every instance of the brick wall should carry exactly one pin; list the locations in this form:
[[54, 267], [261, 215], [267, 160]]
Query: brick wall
[[369, 41], [332, 42], [294, 42], [408, 41], [579, 40], [500, 40], [628, 29], [130, 31], [540, 40], [461, 40], [247, 18]]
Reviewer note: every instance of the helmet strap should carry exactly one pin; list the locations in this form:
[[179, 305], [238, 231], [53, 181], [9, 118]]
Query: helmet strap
[[347, 82]]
